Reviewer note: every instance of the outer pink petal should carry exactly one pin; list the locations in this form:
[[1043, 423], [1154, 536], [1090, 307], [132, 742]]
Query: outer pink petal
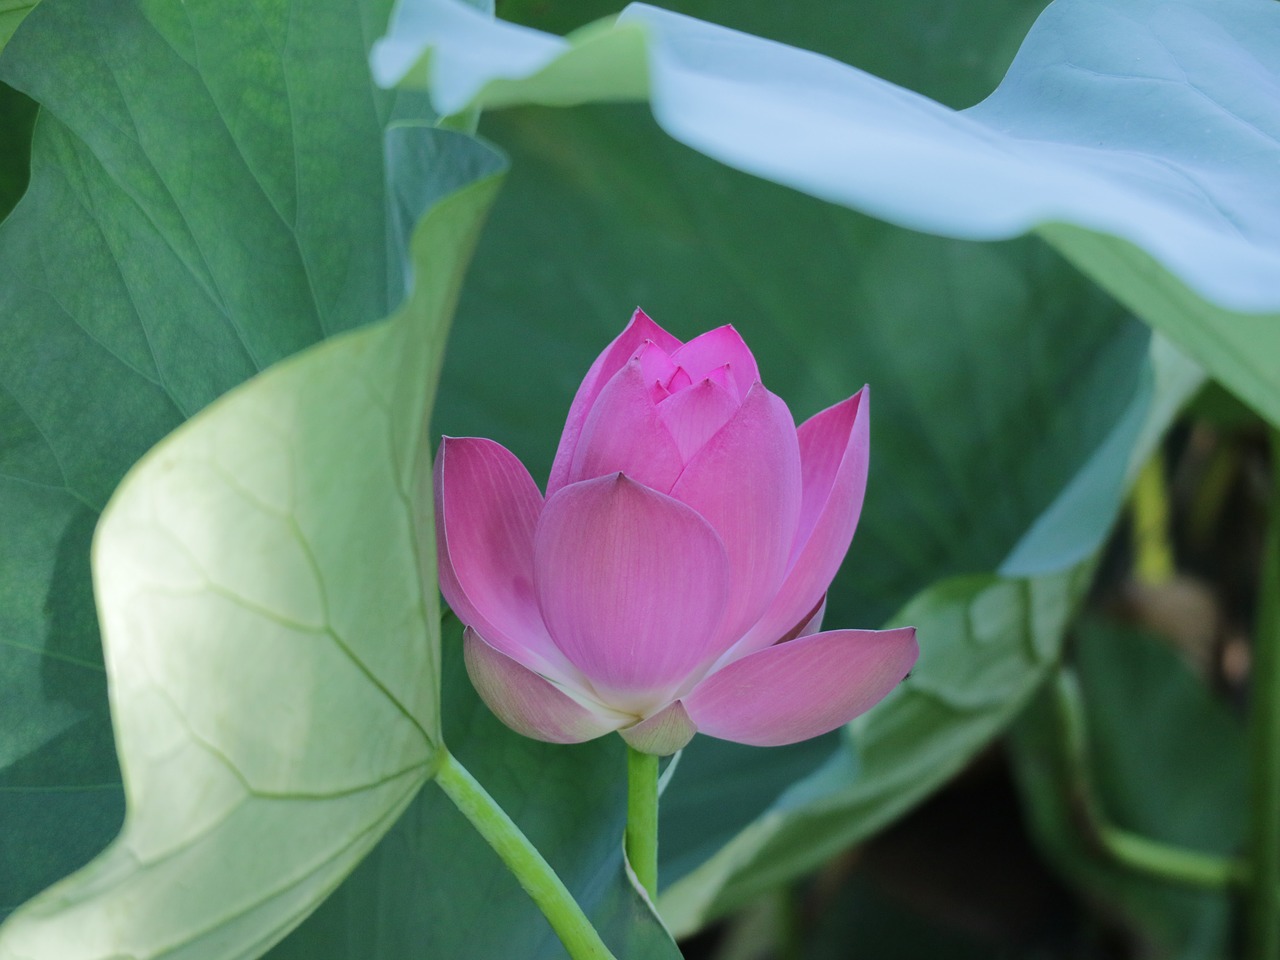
[[610, 361], [695, 414], [717, 348], [667, 731], [834, 447], [801, 689], [530, 704], [486, 509], [625, 433], [746, 482], [632, 585]]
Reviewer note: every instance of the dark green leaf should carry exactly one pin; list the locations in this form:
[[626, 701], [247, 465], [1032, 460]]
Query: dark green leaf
[[205, 199], [1167, 762]]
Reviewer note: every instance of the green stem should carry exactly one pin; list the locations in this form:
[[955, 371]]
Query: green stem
[[522, 859], [1264, 728], [1152, 545], [1141, 854], [1174, 864], [642, 819]]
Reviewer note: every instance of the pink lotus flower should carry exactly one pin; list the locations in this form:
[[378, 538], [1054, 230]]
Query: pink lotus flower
[[675, 575]]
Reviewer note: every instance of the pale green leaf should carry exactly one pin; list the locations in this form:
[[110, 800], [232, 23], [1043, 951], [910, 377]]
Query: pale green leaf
[[266, 584], [208, 195]]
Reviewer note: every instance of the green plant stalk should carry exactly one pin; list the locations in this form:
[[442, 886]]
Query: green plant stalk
[[1152, 546], [1263, 919], [642, 819], [533, 872], [1162, 861]]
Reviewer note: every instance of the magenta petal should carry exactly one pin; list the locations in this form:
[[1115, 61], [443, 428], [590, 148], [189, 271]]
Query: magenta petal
[[529, 704], [486, 509], [656, 368], [632, 585], [834, 447], [611, 360], [746, 482], [718, 348], [810, 624], [679, 380], [801, 689], [624, 433], [667, 731], [695, 414]]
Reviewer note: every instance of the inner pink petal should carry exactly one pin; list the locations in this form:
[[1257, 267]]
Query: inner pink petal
[[695, 415], [745, 481], [625, 434], [719, 348], [679, 380], [632, 585], [655, 365], [612, 359]]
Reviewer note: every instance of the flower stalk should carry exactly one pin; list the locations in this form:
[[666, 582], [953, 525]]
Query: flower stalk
[[1264, 728], [532, 871], [642, 819]]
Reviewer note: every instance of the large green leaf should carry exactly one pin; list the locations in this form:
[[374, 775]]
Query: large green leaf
[[1139, 137], [1007, 395], [266, 585], [1148, 721], [205, 199], [12, 13]]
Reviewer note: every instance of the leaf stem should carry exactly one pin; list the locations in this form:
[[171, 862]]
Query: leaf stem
[[522, 859], [642, 819], [1264, 730]]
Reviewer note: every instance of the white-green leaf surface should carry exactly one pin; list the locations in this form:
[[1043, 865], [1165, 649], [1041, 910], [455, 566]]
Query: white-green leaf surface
[[265, 579], [1140, 137]]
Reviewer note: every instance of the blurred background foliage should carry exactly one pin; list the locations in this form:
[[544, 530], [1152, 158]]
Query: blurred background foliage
[[950, 822]]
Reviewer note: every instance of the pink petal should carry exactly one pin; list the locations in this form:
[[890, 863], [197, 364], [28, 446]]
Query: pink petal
[[624, 433], [809, 625], [717, 348], [611, 360], [679, 380], [801, 689], [834, 449], [667, 731], [486, 508], [834, 446], [632, 585], [530, 704], [746, 482], [656, 369], [694, 415]]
